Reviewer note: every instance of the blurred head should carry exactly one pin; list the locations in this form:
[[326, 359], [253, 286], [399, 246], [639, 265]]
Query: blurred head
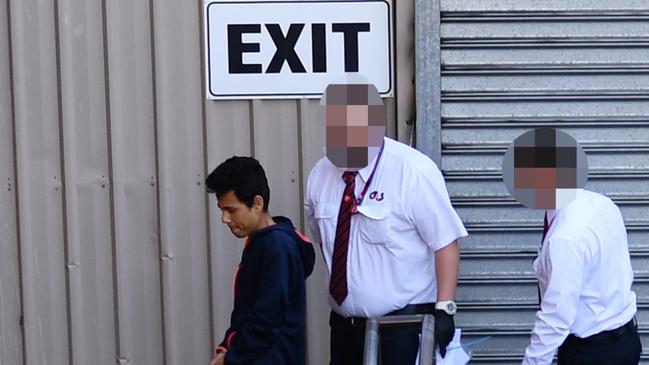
[[355, 121], [544, 168], [242, 194]]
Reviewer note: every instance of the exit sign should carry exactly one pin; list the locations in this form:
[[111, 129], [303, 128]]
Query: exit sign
[[292, 49]]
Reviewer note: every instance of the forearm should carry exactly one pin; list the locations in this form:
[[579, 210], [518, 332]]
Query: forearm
[[545, 340], [447, 263], [563, 264]]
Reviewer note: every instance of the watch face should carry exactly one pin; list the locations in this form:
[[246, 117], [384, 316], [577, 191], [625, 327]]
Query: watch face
[[447, 306]]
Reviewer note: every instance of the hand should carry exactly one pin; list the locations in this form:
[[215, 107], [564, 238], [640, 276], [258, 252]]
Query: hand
[[219, 359], [444, 330]]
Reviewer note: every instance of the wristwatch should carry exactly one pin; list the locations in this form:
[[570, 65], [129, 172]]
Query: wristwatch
[[447, 306]]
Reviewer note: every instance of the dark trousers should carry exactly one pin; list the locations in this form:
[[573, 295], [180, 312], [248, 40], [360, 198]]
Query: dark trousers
[[398, 345], [617, 347]]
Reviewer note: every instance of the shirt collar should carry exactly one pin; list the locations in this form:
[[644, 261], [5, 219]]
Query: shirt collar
[[553, 212], [366, 171]]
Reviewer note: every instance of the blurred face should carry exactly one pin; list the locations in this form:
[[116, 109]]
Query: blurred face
[[354, 130], [544, 168], [241, 219]]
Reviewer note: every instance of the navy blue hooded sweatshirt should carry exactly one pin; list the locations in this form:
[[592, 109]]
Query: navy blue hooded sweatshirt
[[267, 326]]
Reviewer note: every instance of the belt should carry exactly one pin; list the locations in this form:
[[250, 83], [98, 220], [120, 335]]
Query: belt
[[629, 327], [424, 308]]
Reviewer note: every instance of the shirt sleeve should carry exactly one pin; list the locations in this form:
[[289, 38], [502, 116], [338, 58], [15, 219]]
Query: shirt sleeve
[[563, 264], [431, 210], [259, 331]]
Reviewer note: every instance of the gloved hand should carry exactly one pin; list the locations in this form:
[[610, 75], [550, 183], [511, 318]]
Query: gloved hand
[[444, 330]]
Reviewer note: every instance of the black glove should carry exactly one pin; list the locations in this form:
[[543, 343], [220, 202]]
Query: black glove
[[444, 330]]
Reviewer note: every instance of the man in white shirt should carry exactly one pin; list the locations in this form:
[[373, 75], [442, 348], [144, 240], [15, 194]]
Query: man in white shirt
[[387, 230], [584, 269], [585, 277]]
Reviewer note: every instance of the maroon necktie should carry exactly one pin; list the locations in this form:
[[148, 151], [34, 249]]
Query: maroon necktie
[[338, 280], [546, 227]]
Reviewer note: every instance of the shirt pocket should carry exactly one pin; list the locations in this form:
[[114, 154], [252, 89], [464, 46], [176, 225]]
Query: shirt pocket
[[373, 226], [326, 215], [325, 211]]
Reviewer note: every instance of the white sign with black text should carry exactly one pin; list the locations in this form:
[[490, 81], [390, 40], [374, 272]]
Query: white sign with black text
[[291, 49]]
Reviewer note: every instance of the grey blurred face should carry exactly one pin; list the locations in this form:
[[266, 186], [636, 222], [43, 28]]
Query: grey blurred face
[[355, 124], [544, 168]]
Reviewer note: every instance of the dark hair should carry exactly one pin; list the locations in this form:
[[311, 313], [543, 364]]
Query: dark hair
[[242, 175]]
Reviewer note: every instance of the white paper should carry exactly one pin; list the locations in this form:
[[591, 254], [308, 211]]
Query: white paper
[[455, 354]]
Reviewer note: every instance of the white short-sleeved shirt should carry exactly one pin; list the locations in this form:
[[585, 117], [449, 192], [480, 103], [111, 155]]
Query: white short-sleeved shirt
[[585, 275], [404, 218]]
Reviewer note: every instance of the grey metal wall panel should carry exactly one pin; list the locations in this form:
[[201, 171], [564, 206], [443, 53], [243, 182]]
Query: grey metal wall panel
[[227, 132], [491, 160], [510, 66], [427, 81], [488, 58], [627, 27], [405, 56], [11, 335], [518, 236], [507, 211], [183, 234], [518, 263], [492, 289], [312, 138], [89, 256], [546, 5], [608, 132], [550, 108], [40, 196], [491, 185], [275, 134], [134, 174], [530, 84]]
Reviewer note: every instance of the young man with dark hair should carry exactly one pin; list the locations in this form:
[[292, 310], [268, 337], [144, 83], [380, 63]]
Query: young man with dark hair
[[267, 326]]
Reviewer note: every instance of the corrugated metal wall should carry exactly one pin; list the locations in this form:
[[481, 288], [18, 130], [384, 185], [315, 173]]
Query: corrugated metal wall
[[110, 251], [510, 66]]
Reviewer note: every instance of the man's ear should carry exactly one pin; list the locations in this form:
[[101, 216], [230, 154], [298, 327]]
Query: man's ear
[[258, 203]]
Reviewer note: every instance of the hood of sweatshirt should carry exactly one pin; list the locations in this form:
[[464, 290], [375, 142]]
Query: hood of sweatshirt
[[303, 243]]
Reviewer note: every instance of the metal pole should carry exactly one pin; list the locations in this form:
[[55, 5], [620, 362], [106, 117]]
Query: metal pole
[[371, 342], [427, 347]]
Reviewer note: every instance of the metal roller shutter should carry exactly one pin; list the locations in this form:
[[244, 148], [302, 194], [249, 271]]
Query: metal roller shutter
[[510, 66]]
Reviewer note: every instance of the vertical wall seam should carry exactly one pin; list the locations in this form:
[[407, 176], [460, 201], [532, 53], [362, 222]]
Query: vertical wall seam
[[64, 189], [300, 180], [300, 164], [208, 236], [436, 121], [16, 184], [395, 67], [111, 180], [251, 120], [156, 148]]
